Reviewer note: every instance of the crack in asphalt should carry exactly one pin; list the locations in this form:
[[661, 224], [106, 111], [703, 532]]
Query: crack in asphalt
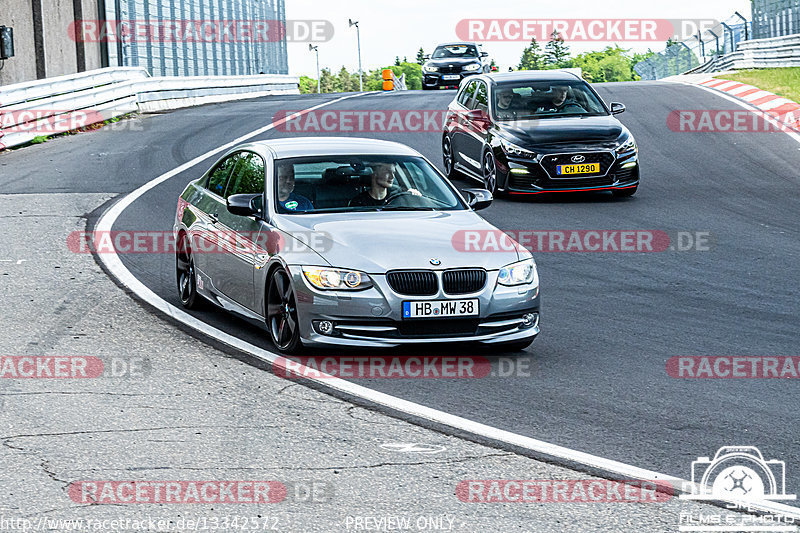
[[335, 469]]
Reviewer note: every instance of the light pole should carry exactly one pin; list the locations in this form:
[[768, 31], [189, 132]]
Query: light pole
[[360, 72], [312, 48]]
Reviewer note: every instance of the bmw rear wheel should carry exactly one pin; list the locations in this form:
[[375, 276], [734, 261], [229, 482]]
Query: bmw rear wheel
[[187, 276]]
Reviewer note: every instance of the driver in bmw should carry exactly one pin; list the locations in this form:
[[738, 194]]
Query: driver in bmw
[[379, 191]]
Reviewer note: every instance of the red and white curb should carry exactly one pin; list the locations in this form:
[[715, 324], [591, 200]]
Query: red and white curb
[[782, 109]]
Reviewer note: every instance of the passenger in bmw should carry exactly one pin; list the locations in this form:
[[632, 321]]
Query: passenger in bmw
[[379, 191], [286, 195]]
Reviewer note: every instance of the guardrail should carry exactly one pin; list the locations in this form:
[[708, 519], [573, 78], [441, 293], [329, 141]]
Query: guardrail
[[55, 104], [775, 52]]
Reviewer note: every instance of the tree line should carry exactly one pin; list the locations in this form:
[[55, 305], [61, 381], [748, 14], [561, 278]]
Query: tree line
[[611, 64]]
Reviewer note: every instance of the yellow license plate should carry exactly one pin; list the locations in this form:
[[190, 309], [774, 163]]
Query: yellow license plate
[[571, 170]]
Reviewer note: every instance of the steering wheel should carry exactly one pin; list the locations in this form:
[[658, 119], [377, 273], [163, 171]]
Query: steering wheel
[[392, 197], [574, 107]]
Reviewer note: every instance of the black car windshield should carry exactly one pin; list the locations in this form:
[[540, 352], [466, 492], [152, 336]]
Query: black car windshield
[[521, 100], [352, 183], [455, 51]]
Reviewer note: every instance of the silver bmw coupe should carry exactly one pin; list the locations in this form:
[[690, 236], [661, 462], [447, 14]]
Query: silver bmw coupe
[[351, 242]]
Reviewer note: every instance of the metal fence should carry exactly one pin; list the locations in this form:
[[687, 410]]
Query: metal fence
[[197, 56], [775, 18], [688, 54]]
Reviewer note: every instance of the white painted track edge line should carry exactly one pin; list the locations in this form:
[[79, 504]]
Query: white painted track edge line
[[118, 270]]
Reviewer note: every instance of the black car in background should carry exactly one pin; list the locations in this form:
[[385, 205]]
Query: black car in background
[[535, 132], [452, 62]]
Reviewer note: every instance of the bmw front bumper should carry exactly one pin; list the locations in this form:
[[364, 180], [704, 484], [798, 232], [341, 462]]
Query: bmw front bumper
[[372, 317]]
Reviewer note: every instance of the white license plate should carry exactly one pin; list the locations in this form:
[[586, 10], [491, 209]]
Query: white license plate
[[441, 308], [451, 77]]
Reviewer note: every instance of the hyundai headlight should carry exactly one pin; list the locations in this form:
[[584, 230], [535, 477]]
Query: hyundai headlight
[[516, 151], [521, 273], [627, 145], [428, 68], [337, 279], [473, 67]]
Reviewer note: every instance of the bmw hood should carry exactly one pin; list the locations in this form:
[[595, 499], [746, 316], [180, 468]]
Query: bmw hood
[[578, 130], [454, 61], [376, 242]]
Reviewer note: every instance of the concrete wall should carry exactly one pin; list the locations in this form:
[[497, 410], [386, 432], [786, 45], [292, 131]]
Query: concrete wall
[[58, 52], [21, 67]]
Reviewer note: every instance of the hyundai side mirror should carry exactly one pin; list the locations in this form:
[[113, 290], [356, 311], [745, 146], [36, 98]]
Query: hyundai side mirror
[[478, 198], [245, 205], [617, 108]]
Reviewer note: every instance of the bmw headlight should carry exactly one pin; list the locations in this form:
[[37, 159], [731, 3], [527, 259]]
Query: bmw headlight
[[472, 67], [429, 68], [516, 151], [521, 273], [627, 145], [336, 278]]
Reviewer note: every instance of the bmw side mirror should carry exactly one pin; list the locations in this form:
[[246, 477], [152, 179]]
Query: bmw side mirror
[[617, 108], [484, 54], [478, 198], [245, 205]]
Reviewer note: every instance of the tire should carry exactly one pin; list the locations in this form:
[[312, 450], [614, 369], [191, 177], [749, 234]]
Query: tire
[[282, 322], [448, 159], [489, 168], [625, 193], [187, 276]]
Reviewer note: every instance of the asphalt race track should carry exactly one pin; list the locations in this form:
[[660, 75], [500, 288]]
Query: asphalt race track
[[611, 321]]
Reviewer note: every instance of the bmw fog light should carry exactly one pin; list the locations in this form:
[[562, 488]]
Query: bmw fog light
[[529, 320], [326, 327]]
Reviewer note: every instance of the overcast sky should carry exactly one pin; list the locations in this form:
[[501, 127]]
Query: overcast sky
[[389, 29]]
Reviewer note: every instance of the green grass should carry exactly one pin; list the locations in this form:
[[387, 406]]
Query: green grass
[[782, 81]]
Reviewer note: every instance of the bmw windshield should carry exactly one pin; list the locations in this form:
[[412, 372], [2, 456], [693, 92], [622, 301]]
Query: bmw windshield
[[531, 100], [360, 183], [455, 52]]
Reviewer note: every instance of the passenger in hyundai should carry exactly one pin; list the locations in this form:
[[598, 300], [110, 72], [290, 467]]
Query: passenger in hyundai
[[504, 99]]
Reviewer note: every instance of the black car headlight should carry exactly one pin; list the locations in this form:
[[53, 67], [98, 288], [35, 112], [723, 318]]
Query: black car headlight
[[627, 145], [326, 278], [472, 67], [429, 68], [516, 151]]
